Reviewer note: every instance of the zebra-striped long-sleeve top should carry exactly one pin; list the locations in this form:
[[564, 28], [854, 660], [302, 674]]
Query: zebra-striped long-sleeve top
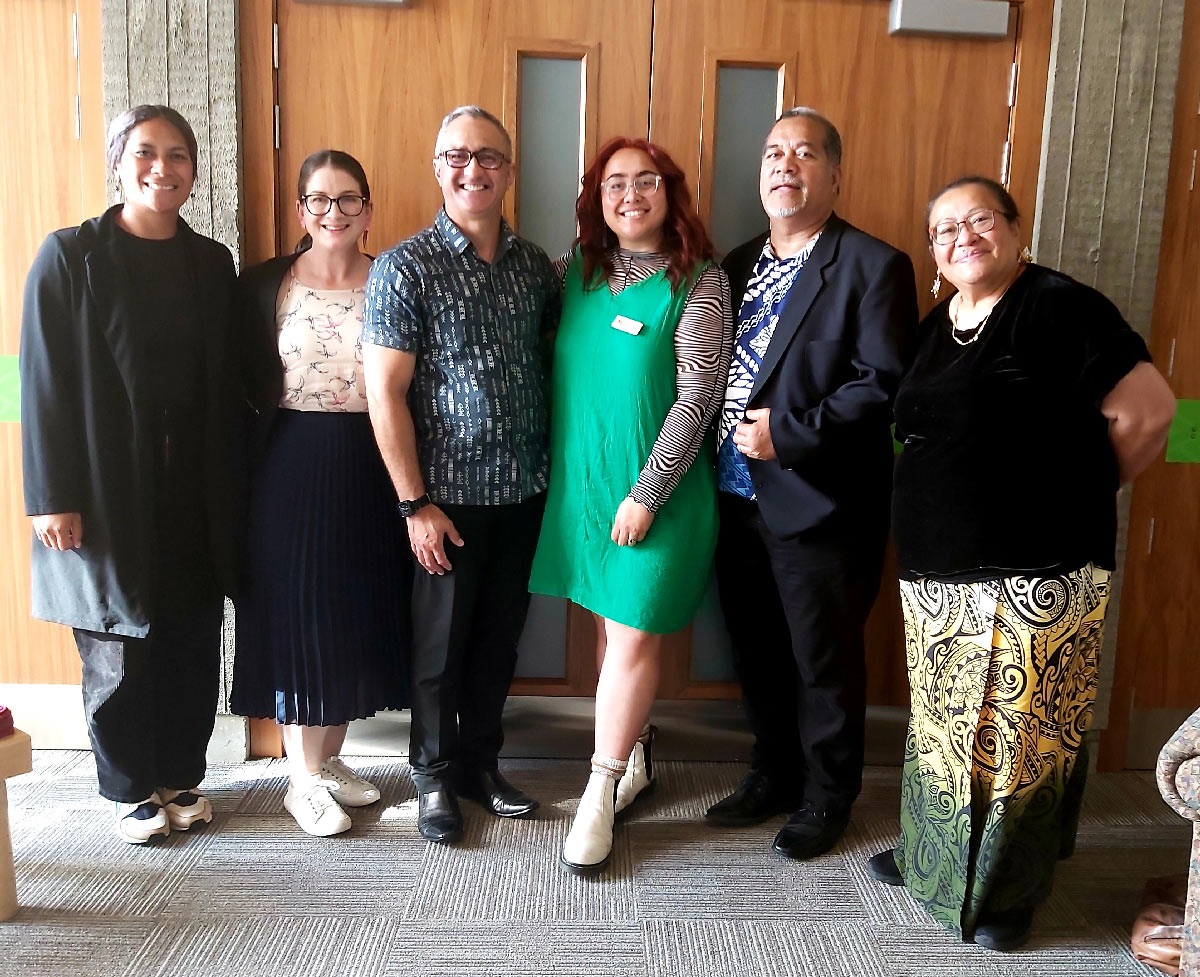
[[702, 348]]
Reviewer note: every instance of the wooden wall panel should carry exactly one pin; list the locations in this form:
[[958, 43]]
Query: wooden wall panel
[[259, 159], [37, 60]]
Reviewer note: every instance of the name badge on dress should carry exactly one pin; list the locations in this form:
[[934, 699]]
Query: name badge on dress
[[625, 324]]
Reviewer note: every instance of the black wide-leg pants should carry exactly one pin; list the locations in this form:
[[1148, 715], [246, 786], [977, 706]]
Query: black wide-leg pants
[[150, 703]]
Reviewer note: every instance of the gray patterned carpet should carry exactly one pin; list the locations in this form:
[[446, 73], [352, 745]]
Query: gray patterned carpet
[[251, 895]]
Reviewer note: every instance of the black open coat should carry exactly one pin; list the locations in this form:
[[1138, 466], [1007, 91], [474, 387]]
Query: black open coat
[[83, 447]]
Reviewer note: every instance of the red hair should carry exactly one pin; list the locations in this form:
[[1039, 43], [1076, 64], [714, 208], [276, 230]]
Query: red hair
[[684, 239]]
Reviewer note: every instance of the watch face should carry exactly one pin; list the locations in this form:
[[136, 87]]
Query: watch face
[[407, 507]]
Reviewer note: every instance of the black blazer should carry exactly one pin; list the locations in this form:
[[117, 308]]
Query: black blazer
[[257, 296], [844, 339], [79, 424]]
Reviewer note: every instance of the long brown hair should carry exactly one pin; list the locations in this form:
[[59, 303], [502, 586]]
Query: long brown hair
[[685, 240]]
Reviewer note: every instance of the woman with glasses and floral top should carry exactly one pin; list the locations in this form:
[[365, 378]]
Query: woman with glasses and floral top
[[630, 523], [322, 625], [1030, 402]]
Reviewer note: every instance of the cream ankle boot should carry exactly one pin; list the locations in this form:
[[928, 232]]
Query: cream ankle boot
[[639, 775], [589, 842]]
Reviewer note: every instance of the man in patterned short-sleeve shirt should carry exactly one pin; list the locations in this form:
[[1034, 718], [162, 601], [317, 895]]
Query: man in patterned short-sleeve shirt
[[456, 335]]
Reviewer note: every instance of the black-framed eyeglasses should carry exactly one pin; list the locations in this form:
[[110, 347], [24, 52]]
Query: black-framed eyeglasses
[[319, 204], [616, 187], [946, 232], [489, 159]]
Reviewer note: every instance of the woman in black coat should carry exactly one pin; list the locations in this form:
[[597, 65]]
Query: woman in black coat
[[127, 394]]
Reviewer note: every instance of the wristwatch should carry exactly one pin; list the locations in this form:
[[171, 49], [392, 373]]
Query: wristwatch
[[407, 507]]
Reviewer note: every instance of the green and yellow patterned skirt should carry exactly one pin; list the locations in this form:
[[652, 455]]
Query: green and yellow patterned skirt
[[1003, 676]]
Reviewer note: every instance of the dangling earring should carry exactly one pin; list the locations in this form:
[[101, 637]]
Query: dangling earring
[[937, 284], [1026, 256], [365, 233]]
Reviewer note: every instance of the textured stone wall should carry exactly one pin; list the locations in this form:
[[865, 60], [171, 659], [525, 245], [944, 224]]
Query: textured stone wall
[[1105, 150], [182, 53]]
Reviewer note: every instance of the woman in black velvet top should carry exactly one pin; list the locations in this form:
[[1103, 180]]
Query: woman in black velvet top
[[1030, 402]]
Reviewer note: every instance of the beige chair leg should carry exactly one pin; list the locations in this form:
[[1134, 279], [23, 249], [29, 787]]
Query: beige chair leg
[[15, 758]]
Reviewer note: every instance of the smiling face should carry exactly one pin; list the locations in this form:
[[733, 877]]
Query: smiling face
[[155, 170], [797, 181], [975, 262], [636, 218], [473, 193], [334, 230]]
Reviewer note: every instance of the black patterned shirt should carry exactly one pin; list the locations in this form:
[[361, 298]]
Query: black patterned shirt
[[481, 333]]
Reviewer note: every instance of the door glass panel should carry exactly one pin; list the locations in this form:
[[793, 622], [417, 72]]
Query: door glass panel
[[747, 105], [549, 151], [541, 652], [712, 654]]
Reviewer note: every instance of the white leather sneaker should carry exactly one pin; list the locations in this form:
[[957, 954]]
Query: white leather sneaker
[[185, 807], [351, 790], [314, 809], [143, 821]]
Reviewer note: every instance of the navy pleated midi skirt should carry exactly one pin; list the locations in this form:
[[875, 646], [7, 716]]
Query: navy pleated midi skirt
[[323, 631]]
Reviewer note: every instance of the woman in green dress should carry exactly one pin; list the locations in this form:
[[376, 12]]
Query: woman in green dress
[[631, 520]]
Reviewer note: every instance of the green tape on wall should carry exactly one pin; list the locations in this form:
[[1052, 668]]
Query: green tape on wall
[[1183, 440], [10, 390]]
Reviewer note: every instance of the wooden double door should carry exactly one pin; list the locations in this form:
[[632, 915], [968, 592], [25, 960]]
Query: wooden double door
[[914, 112]]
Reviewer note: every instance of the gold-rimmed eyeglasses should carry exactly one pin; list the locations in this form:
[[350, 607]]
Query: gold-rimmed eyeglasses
[[946, 232]]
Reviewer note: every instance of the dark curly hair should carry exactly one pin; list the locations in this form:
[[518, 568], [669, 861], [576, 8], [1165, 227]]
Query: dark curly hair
[[684, 240]]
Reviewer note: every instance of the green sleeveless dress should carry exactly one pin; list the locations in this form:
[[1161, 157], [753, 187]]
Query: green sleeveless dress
[[611, 391]]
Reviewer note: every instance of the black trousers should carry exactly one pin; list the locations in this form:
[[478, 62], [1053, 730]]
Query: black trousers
[[466, 626], [151, 702], [795, 610]]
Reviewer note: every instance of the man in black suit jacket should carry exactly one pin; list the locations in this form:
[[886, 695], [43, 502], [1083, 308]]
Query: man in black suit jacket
[[826, 321]]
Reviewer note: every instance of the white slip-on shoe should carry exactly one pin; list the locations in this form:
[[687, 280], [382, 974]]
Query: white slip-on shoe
[[351, 790], [185, 808], [314, 808], [143, 821]]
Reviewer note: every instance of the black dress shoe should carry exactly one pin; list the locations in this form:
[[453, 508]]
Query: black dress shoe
[[757, 798], [489, 788], [1004, 931], [882, 868], [438, 816], [811, 831]]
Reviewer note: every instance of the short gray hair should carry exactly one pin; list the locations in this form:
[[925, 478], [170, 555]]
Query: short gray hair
[[472, 112], [126, 122], [833, 138]]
